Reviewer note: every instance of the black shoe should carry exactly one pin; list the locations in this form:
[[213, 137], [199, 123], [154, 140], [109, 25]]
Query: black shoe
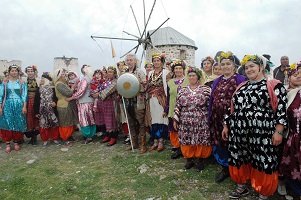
[[177, 154], [174, 149], [71, 139], [236, 195], [199, 165], [31, 141], [222, 175], [189, 163], [34, 141], [21, 141]]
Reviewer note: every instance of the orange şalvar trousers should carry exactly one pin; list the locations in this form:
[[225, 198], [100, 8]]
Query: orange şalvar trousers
[[66, 131], [49, 133], [8, 135], [265, 184], [189, 151], [174, 139]]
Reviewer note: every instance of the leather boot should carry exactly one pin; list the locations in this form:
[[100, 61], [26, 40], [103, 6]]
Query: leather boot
[[160, 145], [143, 144], [135, 144], [155, 145], [189, 163], [222, 175], [177, 154], [199, 164]]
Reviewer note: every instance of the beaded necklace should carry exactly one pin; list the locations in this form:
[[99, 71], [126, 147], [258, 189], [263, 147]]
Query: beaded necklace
[[155, 77]]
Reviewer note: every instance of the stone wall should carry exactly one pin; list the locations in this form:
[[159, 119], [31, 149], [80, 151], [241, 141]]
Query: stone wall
[[186, 53], [67, 63], [4, 64]]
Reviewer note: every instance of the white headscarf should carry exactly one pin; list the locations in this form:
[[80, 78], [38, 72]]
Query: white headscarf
[[57, 74]]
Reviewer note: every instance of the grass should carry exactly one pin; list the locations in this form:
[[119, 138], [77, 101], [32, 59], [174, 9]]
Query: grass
[[95, 171]]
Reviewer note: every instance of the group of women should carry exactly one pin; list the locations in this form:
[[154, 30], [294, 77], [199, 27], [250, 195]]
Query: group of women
[[241, 120]]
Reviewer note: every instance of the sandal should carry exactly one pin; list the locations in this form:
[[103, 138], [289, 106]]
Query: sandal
[[17, 147], [7, 149], [68, 144]]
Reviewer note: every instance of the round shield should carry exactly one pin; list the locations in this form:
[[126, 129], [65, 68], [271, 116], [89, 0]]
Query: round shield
[[128, 85]]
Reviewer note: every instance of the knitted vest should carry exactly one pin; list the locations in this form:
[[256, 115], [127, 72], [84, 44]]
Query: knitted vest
[[61, 103], [173, 92]]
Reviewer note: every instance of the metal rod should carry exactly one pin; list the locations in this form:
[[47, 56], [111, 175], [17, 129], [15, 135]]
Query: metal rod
[[144, 31], [113, 38], [136, 20], [129, 51], [131, 35]]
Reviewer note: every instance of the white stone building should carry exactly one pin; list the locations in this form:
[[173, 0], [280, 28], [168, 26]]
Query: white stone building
[[173, 43], [4, 64], [67, 63]]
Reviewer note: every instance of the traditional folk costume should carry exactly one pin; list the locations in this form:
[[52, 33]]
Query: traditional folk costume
[[85, 105], [173, 87], [220, 100], [96, 87], [155, 104], [48, 120], [135, 108], [67, 111], [13, 95], [290, 165], [257, 106], [208, 80], [191, 115], [108, 97], [32, 121]]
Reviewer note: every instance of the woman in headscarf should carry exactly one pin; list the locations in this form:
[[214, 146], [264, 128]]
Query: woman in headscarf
[[290, 165], [156, 102], [13, 109], [67, 111], [207, 71], [33, 89], [222, 90], [109, 101], [174, 86], [191, 121], [254, 129], [45, 110], [85, 104]]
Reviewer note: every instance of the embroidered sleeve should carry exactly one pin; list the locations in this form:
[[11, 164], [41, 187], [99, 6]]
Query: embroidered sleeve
[[143, 83], [166, 109], [64, 89], [24, 92], [81, 90], [1, 93], [109, 90], [178, 107], [281, 116]]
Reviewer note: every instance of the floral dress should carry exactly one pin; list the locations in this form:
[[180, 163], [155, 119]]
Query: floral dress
[[191, 112], [221, 95], [291, 161], [47, 115], [252, 125]]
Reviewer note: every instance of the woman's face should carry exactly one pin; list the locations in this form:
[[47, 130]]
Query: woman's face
[[14, 73], [157, 63], [193, 78], [254, 71], [178, 71], [30, 73], [217, 71], [104, 72], [295, 79], [98, 75], [227, 67], [207, 66], [111, 74], [42, 82], [149, 68], [71, 76]]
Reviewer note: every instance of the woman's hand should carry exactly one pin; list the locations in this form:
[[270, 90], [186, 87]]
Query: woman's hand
[[164, 114], [95, 95], [24, 110], [53, 104], [225, 132], [0, 111], [68, 99], [175, 125], [277, 138]]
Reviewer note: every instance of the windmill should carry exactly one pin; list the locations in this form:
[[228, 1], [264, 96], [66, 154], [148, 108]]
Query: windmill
[[142, 39]]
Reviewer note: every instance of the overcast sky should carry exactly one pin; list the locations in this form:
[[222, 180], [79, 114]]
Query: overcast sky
[[36, 31]]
